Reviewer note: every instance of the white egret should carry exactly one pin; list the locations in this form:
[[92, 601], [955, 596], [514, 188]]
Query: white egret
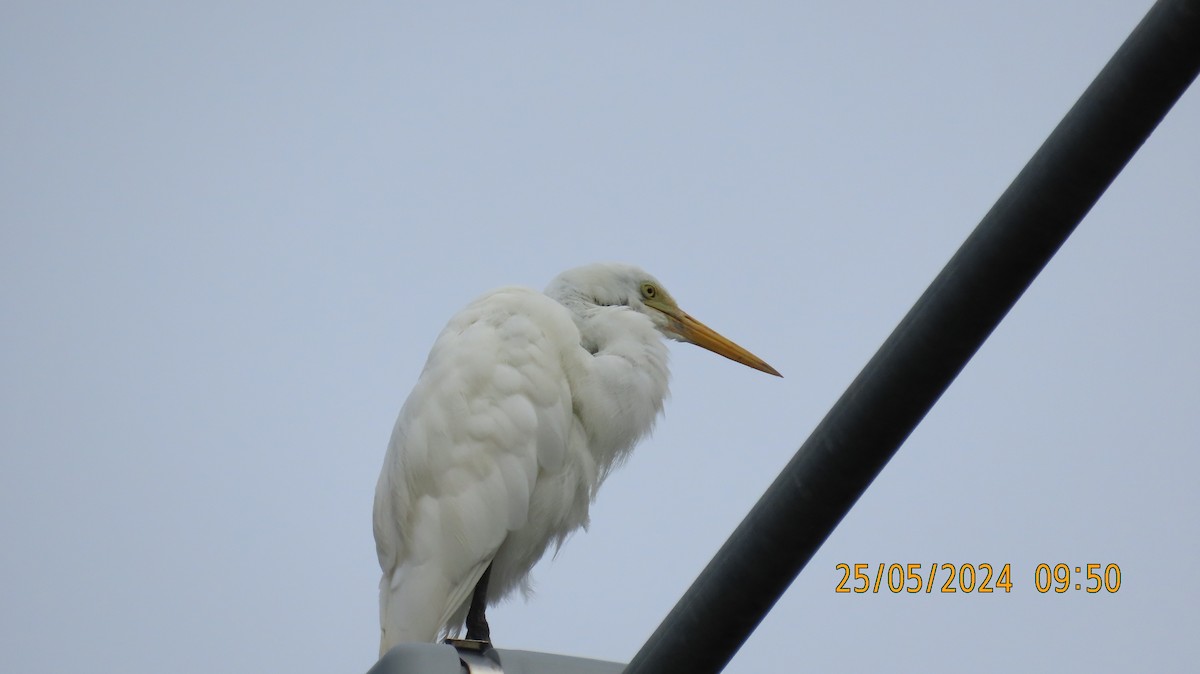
[[526, 402]]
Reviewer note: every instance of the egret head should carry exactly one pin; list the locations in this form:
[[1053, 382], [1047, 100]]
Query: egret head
[[629, 286]]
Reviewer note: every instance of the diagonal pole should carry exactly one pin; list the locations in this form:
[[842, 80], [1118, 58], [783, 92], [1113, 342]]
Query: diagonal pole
[[931, 345]]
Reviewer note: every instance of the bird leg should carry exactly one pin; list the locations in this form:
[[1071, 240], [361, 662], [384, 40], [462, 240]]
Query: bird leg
[[477, 627]]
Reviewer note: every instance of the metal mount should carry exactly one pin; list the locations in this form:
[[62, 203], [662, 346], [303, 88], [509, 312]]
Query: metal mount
[[477, 657]]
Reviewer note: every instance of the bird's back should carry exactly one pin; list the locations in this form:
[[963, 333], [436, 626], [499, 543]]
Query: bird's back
[[487, 461]]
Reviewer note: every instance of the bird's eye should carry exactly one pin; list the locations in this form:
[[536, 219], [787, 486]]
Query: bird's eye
[[649, 291]]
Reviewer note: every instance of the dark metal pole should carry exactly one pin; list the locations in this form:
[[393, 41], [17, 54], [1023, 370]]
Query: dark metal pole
[[924, 354]]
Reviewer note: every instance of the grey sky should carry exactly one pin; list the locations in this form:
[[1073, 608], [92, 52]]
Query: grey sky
[[230, 235]]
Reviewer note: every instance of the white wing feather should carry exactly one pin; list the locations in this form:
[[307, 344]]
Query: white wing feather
[[492, 408]]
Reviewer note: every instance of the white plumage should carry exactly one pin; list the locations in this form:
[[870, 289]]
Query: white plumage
[[525, 404]]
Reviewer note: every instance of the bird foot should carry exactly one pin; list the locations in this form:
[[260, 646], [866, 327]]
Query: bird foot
[[468, 644], [477, 628]]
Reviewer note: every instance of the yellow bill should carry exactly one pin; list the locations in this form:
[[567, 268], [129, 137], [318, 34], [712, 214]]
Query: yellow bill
[[693, 331]]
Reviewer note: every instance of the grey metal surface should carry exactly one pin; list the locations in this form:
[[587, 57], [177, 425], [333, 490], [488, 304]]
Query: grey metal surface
[[419, 658], [445, 659], [530, 662], [480, 663]]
